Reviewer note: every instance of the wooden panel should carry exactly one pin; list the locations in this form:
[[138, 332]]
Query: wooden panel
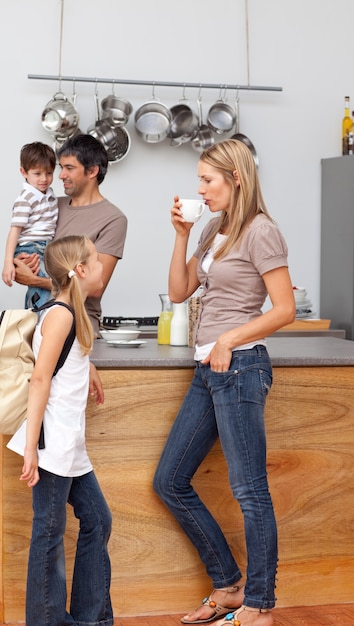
[[155, 570], [307, 324], [310, 423]]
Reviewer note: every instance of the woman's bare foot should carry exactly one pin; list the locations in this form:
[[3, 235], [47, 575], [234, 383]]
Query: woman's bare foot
[[245, 616], [220, 602]]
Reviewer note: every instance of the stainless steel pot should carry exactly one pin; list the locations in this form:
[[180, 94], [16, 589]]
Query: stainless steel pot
[[60, 141], [184, 124], [60, 117], [221, 117], [112, 136], [249, 145], [204, 137], [117, 109], [152, 121], [120, 149], [104, 132], [240, 137]]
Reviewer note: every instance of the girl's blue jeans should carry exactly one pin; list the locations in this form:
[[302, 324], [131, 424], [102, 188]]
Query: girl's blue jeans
[[228, 405], [90, 603], [44, 294]]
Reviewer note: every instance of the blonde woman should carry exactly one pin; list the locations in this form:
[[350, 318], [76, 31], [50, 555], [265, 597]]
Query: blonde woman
[[241, 258]]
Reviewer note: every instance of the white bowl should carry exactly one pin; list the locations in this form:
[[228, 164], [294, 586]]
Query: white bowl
[[119, 334]]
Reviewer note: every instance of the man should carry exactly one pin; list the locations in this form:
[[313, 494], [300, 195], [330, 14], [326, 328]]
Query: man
[[83, 161]]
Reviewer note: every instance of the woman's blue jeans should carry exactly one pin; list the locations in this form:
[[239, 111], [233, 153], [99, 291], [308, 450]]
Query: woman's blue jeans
[[228, 405], [44, 295], [46, 581]]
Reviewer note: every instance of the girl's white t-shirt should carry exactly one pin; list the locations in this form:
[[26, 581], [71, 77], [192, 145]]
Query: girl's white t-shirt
[[64, 418]]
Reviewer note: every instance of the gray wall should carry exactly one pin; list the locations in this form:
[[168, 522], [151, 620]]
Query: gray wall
[[302, 46]]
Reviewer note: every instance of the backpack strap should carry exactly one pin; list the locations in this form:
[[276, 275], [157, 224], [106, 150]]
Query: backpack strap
[[68, 341], [65, 351]]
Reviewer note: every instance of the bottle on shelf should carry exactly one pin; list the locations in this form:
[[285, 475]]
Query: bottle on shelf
[[351, 137], [164, 321], [179, 325], [346, 126]]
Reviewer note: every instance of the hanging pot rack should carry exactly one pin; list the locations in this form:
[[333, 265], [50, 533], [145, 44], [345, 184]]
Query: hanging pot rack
[[152, 83]]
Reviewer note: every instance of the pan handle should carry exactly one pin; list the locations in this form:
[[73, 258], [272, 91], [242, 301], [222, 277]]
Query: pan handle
[[237, 115], [200, 112], [97, 104]]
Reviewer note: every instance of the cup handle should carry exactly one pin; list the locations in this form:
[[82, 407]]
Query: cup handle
[[201, 209]]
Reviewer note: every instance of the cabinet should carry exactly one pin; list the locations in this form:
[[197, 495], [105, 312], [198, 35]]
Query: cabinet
[[155, 569], [337, 243]]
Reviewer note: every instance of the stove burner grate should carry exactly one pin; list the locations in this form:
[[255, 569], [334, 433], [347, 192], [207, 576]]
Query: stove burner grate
[[116, 322]]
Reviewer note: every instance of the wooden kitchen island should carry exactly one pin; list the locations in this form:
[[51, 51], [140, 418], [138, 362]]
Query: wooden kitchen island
[[155, 570]]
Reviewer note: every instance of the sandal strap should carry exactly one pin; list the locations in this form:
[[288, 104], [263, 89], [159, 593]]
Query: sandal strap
[[232, 618], [217, 608], [208, 600]]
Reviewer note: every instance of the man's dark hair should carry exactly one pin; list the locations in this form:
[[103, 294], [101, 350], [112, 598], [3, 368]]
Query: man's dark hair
[[89, 152]]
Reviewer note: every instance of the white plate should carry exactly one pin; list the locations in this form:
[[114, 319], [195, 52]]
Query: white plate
[[300, 304], [126, 344]]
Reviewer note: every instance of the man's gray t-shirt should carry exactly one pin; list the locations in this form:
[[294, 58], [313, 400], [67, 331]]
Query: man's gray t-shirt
[[104, 224]]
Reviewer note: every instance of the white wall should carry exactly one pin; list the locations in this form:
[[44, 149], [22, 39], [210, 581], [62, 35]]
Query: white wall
[[302, 46]]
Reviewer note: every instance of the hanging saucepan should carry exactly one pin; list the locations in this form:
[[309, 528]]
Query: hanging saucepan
[[244, 138], [117, 109], [60, 116], [221, 116], [152, 120], [60, 141], [204, 137], [184, 123], [249, 145], [102, 130], [120, 149]]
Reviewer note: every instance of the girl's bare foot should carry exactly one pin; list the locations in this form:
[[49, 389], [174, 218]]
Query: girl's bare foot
[[220, 602]]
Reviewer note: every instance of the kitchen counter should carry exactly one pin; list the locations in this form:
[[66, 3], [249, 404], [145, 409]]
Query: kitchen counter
[[155, 570], [284, 352]]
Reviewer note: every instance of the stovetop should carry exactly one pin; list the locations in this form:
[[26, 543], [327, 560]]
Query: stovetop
[[143, 323]]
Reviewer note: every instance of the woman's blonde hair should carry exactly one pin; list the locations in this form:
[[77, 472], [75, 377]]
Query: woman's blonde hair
[[60, 257], [246, 200]]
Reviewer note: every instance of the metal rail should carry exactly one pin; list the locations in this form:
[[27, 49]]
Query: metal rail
[[152, 83]]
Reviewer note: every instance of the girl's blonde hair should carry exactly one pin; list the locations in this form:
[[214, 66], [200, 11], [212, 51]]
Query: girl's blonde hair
[[246, 200], [60, 257]]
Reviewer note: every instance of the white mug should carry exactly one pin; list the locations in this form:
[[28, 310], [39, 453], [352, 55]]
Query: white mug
[[192, 210]]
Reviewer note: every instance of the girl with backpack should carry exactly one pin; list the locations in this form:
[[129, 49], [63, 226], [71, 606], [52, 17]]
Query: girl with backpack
[[61, 471]]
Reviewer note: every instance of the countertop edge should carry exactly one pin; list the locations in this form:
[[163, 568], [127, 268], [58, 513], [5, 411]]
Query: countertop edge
[[284, 352]]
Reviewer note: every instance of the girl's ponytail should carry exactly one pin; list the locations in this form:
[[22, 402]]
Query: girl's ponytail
[[61, 258]]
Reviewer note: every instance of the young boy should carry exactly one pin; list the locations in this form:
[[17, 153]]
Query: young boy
[[34, 214]]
